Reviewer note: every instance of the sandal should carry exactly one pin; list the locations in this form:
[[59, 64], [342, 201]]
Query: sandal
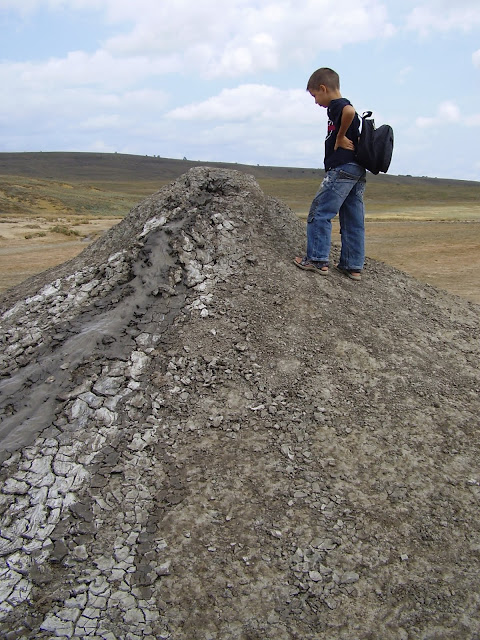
[[350, 273], [310, 265]]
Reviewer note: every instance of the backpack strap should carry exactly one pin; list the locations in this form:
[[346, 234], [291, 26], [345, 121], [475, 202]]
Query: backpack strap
[[367, 114]]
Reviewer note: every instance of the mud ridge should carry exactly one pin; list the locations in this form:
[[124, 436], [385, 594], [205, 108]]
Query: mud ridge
[[200, 441]]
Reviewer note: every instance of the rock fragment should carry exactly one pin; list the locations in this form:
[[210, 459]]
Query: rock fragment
[[202, 441]]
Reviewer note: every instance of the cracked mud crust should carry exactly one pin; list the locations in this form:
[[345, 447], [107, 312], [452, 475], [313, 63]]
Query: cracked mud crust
[[196, 446]]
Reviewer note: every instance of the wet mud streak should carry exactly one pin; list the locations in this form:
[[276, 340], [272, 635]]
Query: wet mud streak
[[106, 330]]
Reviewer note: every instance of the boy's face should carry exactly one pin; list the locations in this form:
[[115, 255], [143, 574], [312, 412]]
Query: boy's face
[[321, 95]]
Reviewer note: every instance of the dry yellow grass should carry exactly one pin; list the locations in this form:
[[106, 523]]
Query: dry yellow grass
[[426, 227]]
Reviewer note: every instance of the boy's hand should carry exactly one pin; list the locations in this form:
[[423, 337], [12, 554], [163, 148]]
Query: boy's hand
[[344, 143]]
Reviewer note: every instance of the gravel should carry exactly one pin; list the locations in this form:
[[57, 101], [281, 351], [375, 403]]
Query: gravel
[[200, 441]]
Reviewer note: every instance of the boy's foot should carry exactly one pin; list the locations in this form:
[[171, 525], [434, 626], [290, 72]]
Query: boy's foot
[[353, 275], [310, 265]]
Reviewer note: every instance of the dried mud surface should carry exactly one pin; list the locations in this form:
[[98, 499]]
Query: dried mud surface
[[200, 441]]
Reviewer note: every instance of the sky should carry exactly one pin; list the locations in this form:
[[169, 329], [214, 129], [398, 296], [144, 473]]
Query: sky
[[218, 80]]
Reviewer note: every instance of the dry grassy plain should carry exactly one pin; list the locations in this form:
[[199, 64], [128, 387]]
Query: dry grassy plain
[[60, 202], [29, 245]]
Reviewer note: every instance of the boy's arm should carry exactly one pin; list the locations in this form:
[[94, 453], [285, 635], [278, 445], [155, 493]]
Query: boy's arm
[[342, 141]]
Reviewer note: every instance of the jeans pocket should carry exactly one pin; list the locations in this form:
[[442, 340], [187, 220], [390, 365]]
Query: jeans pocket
[[343, 175]]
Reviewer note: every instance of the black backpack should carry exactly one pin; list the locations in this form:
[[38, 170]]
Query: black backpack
[[375, 146]]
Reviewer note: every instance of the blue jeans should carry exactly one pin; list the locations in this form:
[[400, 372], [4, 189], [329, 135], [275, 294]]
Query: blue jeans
[[340, 192]]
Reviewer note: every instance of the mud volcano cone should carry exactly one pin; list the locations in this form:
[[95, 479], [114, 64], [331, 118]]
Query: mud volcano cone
[[200, 441]]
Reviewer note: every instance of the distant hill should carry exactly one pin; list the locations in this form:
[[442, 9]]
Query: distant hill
[[111, 183], [116, 166]]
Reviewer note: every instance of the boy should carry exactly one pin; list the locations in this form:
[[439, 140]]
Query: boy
[[342, 188]]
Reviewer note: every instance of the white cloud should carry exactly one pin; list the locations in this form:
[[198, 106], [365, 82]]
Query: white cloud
[[256, 121], [230, 39], [251, 102], [80, 69], [129, 94], [444, 15], [218, 39], [448, 113], [35, 117]]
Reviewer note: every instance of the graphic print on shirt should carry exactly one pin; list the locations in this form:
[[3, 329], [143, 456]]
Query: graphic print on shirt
[[330, 129]]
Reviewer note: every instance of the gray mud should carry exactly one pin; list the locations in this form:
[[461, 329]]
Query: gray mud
[[200, 441]]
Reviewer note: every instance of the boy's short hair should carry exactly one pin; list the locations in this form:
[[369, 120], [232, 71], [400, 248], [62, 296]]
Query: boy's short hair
[[326, 76]]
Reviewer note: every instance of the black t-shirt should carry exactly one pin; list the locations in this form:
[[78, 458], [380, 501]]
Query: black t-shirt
[[340, 156]]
